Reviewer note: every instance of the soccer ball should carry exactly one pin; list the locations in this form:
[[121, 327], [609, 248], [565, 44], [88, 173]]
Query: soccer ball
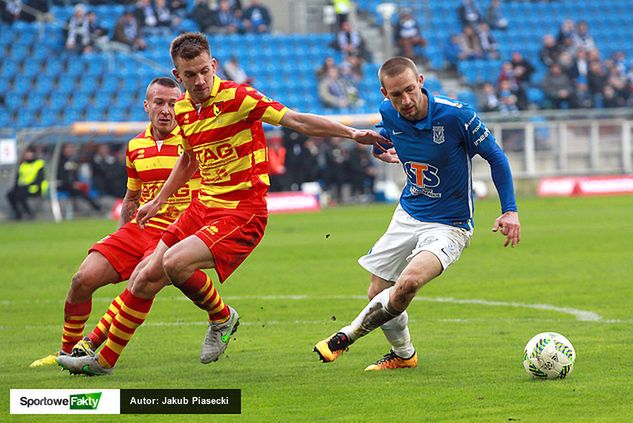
[[549, 355]]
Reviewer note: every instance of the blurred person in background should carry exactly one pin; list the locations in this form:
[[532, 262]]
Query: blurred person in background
[[30, 181]]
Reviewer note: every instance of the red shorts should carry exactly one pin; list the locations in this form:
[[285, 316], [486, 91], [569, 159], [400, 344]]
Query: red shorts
[[127, 247], [231, 235]]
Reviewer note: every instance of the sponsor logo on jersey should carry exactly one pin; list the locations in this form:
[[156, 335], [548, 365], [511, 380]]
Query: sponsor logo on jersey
[[423, 178]]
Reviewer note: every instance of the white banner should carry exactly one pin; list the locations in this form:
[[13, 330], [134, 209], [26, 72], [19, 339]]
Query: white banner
[[65, 401], [8, 151]]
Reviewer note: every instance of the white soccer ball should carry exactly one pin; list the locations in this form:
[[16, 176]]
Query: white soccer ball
[[549, 355]]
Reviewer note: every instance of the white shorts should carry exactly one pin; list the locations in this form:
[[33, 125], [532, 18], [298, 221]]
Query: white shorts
[[406, 237]]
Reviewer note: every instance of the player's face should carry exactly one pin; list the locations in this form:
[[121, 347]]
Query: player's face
[[159, 105], [405, 93], [196, 75]]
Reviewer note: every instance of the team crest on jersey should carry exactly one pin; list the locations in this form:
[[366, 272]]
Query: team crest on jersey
[[216, 110], [438, 134]]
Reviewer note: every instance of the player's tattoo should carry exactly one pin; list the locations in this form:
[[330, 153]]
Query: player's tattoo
[[130, 205]]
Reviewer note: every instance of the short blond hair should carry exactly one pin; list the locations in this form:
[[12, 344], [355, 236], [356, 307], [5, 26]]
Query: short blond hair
[[396, 66]]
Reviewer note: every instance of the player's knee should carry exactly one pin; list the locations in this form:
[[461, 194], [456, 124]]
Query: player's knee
[[82, 286], [172, 265], [409, 284]]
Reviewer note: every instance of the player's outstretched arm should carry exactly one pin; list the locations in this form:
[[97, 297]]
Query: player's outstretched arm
[[183, 170], [319, 126], [130, 204], [508, 224]]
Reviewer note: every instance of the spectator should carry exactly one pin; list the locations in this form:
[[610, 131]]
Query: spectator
[[471, 45], [453, 52], [558, 88], [355, 65], [508, 103], [495, 17], [408, 36], [361, 173], [342, 8], [68, 178], [619, 61], [234, 71], [350, 43], [178, 8], [78, 37], [568, 65], [277, 165], [204, 16], [565, 38], [582, 38], [98, 34], [550, 51], [522, 70], [597, 80], [164, 15], [145, 15], [487, 41], [351, 83], [257, 18], [620, 86], [583, 96], [227, 20], [581, 63], [126, 32], [29, 182], [334, 171], [104, 169], [12, 11], [469, 13], [332, 90], [609, 98], [488, 100], [323, 70]]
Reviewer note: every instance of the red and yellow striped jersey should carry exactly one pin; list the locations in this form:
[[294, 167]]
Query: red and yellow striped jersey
[[225, 133], [149, 163]]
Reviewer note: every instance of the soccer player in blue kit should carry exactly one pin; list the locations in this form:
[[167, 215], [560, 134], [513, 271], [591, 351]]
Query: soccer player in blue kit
[[434, 138]]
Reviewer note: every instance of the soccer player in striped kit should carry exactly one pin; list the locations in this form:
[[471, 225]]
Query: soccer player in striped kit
[[150, 157], [434, 139], [221, 122]]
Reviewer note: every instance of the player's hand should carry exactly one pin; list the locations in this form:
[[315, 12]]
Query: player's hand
[[389, 156], [368, 137], [146, 212], [508, 224]]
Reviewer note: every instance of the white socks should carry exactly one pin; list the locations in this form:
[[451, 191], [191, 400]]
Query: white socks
[[397, 333], [375, 314], [378, 313]]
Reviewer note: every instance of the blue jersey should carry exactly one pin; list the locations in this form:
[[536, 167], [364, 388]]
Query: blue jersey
[[436, 155]]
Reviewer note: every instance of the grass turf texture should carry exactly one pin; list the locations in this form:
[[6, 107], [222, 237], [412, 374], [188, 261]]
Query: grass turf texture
[[302, 284]]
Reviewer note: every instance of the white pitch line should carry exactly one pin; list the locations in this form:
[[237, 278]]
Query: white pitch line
[[581, 315]]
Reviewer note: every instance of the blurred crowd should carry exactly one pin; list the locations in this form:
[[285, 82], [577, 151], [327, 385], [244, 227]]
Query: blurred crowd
[[89, 176], [85, 176]]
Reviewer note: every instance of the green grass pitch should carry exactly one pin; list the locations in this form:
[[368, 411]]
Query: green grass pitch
[[303, 283]]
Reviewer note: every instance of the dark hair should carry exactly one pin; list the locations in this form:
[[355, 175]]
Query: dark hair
[[395, 66], [165, 82], [189, 45]]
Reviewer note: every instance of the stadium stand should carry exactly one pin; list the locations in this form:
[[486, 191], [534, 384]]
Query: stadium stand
[[107, 85]]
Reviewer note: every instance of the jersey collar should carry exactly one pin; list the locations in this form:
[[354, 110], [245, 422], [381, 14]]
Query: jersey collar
[[214, 92], [148, 132]]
